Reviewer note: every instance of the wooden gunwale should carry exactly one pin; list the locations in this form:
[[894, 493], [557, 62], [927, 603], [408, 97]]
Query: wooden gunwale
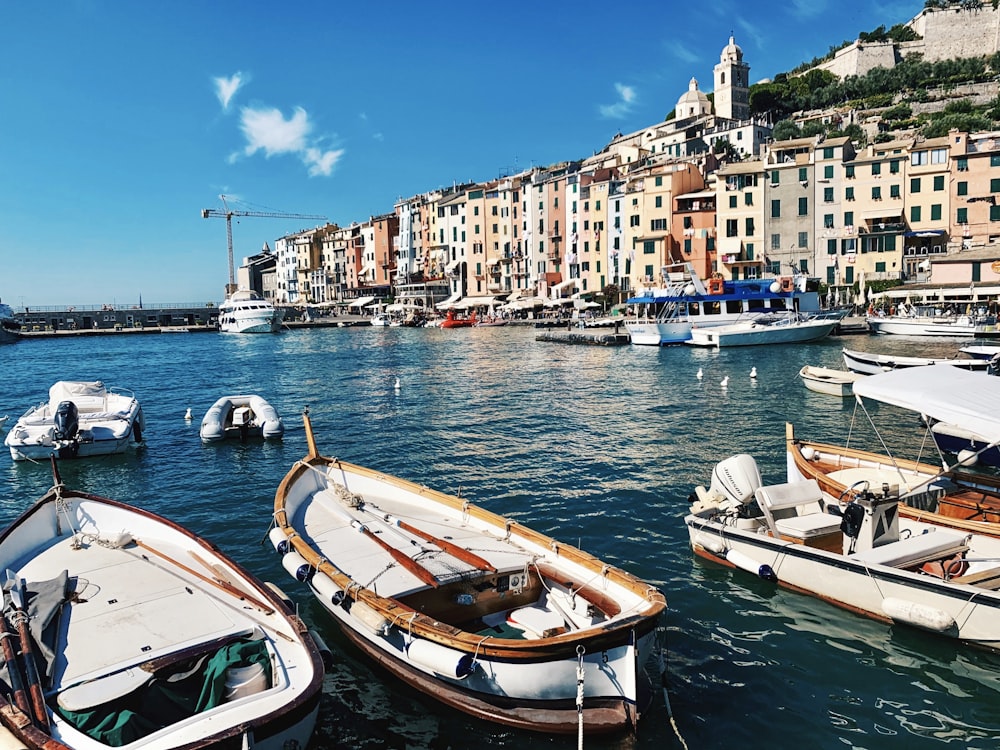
[[965, 498], [418, 624]]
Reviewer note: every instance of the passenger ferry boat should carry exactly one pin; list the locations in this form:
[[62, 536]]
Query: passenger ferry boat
[[246, 311], [665, 315]]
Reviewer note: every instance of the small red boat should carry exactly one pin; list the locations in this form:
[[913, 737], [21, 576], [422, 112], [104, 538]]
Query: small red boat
[[453, 321]]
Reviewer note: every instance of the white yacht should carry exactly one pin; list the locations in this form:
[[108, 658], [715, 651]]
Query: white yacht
[[10, 329], [246, 311]]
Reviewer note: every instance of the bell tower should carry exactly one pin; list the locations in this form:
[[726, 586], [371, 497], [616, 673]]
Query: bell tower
[[732, 84]]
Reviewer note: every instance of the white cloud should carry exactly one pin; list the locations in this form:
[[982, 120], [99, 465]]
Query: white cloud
[[267, 130], [808, 8], [618, 110], [226, 88]]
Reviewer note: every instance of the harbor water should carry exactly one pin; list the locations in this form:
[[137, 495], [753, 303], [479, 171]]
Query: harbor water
[[599, 447]]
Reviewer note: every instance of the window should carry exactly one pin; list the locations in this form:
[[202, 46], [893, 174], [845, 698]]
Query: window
[[876, 193], [828, 195], [880, 267], [633, 221], [803, 174], [803, 239], [804, 265], [828, 172], [827, 152], [995, 160], [775, 241], [894, 166], [749, 226], [688, 222], [939, 156], [748, 198], [658, 225], [749, 248], [659, 181], [994, 213], [938, 182], [919, 158], [915, 185], [732, 201], [848, 218], [687, 245], [597, 205], [894, 191], [775, 209], [849, 171], [936, 212], [831, 247], [803, 206], [914, 213], [876, 169], [963, 164], [775, 176], [659, 201], [963, 188], [849, 193], [962, 216], [649, 247], [995, 185], [732, 228]]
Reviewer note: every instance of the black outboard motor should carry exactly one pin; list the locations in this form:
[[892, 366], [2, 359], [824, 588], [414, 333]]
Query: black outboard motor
[[67, 420]]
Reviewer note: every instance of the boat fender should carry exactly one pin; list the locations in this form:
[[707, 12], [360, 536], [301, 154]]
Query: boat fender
[[919, 615], [370, 618], [968, 457], [279, 540], [747, 563], [808, 452], [442, 660], [297, 567], [276, 590], [325, 654], [711, 543], [137, 431], [326, 589]]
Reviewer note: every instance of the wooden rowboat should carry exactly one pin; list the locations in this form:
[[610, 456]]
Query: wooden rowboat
[[474, 609], [132, 631]]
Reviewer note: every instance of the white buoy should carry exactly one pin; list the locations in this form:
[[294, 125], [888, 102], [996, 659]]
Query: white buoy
[[187, 414], [753, 373], [725, 381], [700, 374]]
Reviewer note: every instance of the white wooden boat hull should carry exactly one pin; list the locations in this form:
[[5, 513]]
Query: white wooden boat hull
[[828, 381], [109, 423], [150, 599], [868, 363], [500, 636]]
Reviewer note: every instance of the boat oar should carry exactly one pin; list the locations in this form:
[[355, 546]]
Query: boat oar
[[28, 652], [460, 553], [13, 668], [399, 556]]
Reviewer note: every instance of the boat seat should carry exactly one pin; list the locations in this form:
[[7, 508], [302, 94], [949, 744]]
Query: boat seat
[[537, 622], [795, 509], [914, 550]]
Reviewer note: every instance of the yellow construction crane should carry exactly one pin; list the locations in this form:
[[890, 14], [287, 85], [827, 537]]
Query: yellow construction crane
[[227, 213]]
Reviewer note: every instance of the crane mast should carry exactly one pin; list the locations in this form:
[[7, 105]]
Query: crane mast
[[227, 213]]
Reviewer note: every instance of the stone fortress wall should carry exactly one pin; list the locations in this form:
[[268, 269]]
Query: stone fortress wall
[[946, 34]]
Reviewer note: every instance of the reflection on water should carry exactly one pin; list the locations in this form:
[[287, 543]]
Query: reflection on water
[[599, 447]]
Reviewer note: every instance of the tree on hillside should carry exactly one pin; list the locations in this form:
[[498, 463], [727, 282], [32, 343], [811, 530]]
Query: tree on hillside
[[785, 130]]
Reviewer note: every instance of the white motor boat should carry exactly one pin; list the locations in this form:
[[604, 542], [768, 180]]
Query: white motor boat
[[124, 629], [962, 326], [474, 609], [789, 328], [240, 417], [859, 553], [246, 311], [667, 315], [80, 419]]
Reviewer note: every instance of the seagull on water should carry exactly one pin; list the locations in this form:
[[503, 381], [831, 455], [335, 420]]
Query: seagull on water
[[725, 381], [700, 374], [187, 414], [396, 385], [753, 373]]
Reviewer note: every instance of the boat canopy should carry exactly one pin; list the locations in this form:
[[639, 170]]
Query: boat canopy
[[948, 394]]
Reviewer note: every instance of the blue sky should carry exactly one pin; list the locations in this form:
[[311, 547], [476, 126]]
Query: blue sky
[[122, 120]]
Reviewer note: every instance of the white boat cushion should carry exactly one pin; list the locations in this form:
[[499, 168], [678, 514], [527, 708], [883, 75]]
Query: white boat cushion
[[807, 526], [795, 509], [915, 549], [536, 621]]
